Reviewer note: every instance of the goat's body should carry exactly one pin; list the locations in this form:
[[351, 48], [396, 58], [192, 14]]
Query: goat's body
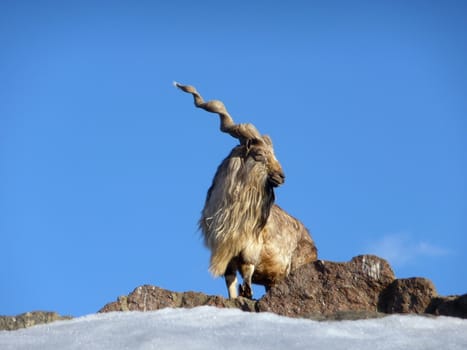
[[243, 227]]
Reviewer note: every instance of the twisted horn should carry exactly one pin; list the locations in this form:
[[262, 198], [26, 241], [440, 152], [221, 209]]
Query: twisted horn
[[243, 132]]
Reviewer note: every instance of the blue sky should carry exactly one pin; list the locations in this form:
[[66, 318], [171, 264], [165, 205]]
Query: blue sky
[[104, 165]]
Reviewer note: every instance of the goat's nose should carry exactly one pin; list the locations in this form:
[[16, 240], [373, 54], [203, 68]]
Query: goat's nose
[[282, 176], [277, 179]]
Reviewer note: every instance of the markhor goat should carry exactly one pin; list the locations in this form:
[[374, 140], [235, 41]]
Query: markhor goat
[[241, 225]]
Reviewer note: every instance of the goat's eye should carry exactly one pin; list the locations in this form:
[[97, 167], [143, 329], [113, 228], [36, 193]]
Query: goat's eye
[[259, 157]]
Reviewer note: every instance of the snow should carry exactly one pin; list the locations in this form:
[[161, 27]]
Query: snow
[[213, 328]]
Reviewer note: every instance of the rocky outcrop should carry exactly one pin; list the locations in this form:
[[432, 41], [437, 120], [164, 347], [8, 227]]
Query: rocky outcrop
[[29, 319], [364, 287], [326, 288], [408, 295], [449, 306], [149, 298]]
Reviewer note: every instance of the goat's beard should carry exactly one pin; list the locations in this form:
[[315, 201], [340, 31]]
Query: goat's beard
[[236, 209]]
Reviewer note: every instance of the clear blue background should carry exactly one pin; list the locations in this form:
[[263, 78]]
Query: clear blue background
[[104, 165]]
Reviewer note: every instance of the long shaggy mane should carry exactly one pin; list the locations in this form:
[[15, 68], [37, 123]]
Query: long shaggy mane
[[237, 207]]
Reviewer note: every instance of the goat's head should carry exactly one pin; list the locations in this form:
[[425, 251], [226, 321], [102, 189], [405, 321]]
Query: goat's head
[[259, 152], [256, 150]]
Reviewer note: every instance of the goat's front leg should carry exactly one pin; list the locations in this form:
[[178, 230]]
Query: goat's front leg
[[247, 271], [230, 276]]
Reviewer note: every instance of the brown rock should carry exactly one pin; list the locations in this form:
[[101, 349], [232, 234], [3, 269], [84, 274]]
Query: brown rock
[[29, 319], [325, 288], [364, 287], [149, 298], [449, 306], [408, 295]]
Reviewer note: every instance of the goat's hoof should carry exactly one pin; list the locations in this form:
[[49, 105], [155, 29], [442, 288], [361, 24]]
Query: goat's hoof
[[244, 290]]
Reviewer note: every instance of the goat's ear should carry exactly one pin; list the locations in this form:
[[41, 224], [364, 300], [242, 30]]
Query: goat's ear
[[254, 142], [248, 144], [251, 142]]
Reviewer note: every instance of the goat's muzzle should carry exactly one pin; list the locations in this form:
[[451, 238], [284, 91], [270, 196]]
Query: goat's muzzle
[[276, 179]]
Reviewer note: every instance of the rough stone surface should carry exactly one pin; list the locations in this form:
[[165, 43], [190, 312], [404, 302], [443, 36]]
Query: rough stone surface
[[364, 287], [29, 319], [149, 298], [408, 295], [326, 288], [449, 306]]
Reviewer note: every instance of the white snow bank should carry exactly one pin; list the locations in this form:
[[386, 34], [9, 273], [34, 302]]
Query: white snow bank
[[213, 328]]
